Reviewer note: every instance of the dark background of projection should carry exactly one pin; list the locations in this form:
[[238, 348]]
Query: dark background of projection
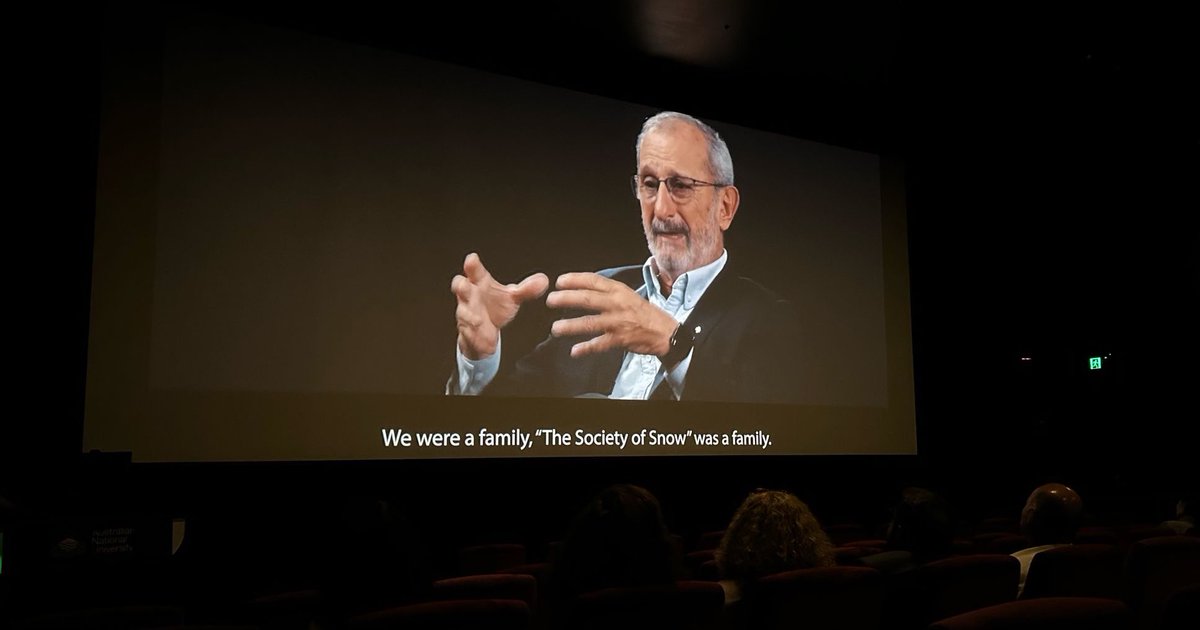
[[314, 199], [1050, 162], [279, 215]]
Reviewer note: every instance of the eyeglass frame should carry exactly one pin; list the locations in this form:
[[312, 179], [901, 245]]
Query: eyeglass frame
[[636, 184]]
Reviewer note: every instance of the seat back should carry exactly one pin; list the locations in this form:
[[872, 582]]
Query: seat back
[[290, 610], [950, 587], [849, 598], [684, 605], [491, 586], [1004, 543], [114, 618], [494, 614], [1047, 613], [1182, 610], [1154, 569], [1075, 571], [957, 585], [489, 558]]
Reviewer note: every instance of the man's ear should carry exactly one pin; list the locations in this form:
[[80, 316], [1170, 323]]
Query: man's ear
[[730, 198]]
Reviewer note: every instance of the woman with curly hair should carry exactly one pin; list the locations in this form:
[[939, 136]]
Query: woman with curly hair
[[772, 531]]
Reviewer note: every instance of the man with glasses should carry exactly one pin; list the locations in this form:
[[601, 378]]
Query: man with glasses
[[681, 326]]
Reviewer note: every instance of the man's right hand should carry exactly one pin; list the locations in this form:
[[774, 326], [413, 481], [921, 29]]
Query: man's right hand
[[485, 306]]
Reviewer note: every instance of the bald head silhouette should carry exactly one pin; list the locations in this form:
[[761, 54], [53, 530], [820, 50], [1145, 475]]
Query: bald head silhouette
[[1051, 515]]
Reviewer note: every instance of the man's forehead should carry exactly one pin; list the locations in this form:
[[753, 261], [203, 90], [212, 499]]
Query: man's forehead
[[678, 143]]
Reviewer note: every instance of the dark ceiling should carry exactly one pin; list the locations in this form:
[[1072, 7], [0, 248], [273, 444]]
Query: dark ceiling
[[855, 73]]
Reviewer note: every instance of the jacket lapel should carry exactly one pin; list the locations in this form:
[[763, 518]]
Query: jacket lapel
[[708, 313], [713, 306]]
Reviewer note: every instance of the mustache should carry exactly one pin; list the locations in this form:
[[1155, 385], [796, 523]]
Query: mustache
[[677, 226]]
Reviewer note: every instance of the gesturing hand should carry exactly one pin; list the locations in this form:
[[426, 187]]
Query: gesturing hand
[[485, 306], [623, 318]]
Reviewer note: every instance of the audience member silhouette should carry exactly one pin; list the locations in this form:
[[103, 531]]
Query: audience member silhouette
[[920, 531], [1050, 519], [619, 539], [374, 559], [1185, 516], [772, 531]]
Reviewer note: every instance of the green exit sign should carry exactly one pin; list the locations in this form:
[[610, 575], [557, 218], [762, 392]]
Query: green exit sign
[[1094, 363]]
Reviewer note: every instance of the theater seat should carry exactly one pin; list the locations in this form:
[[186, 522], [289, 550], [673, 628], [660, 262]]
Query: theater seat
[[696, 559], [1096, 536], [115, 618], [1005, 543], [1182, 611], [1142, 532], [494, 614], [709, 540], [482, 559], [1005, 524], [1075, 571], [1047, 613], [950, 587], [1154, 569], [686, 605], [291, 610], [849, 598], [846, 532], [492, 586]]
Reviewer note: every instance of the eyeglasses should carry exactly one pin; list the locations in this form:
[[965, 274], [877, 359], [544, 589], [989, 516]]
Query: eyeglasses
[[681, 188]]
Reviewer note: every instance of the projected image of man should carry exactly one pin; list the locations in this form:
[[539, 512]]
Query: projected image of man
[[683, 325]]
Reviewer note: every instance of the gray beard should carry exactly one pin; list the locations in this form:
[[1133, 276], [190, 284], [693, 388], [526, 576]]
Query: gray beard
[[675, 264]]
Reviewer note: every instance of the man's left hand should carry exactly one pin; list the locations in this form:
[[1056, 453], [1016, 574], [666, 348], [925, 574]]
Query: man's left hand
[[623, 319]]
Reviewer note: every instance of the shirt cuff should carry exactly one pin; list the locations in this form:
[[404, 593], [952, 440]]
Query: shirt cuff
[[475, 375]]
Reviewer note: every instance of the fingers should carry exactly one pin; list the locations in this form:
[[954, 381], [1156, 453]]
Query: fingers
[[468, 313], [586, 325], [467, 316], [587, 300], [474, 269], [593, 281], [530, 288], [461, 287], [593, 346], [477, 337], [467, 294], [589, 291]]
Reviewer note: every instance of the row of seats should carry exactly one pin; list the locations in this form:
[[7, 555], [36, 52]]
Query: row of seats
[[852, 541], [1144, 577], [837, 599], [690, 602]]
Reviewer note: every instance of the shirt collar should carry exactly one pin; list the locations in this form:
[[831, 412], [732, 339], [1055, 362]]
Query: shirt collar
[[691, 284]]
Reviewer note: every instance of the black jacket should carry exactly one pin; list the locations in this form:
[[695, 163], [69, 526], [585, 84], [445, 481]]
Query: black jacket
[[747, 350]]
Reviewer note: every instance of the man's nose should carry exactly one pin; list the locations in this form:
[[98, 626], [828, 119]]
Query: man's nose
[[664, 204]]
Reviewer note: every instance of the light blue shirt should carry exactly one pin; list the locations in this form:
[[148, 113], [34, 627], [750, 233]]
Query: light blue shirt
[[640, 373]]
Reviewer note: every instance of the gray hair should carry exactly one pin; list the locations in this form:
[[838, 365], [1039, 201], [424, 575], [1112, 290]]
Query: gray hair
[[719, 159]]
